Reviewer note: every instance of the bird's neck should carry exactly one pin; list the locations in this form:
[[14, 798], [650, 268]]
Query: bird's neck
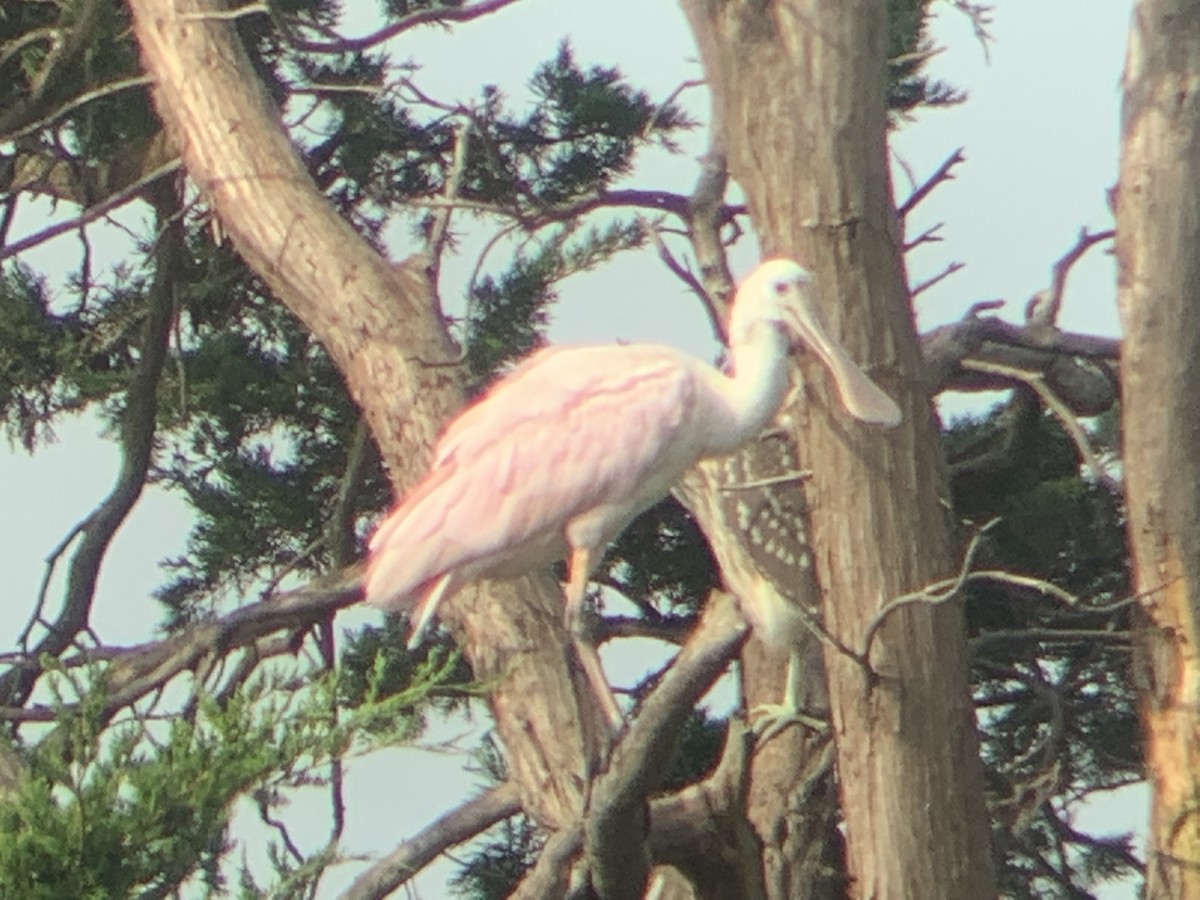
[[759, 382]]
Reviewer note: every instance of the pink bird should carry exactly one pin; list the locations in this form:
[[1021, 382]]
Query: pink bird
[[560, 454]]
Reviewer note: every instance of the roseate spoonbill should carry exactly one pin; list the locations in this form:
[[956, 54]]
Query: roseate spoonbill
[[565, 450]]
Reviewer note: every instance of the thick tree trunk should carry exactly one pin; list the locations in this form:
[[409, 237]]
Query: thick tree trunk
[[800, 88], [380, 324], [1158, 233]]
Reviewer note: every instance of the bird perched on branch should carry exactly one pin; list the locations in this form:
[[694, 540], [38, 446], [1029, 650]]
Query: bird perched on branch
[[561, 453]]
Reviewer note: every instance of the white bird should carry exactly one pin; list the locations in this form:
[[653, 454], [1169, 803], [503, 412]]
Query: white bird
[[563, 452]]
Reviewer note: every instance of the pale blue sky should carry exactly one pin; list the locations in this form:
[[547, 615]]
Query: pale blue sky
[[1040, 136]]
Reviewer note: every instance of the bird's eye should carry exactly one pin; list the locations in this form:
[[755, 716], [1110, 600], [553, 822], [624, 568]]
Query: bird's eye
[[781, 287]]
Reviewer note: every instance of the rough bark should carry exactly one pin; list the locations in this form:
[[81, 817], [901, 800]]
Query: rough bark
[[1158, 231], [800, 88], [380, 324]]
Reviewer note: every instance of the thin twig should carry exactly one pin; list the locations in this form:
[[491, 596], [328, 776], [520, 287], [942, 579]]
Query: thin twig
[[933, 594], [671, 98], [91, 213], [434, 14], [229, 14], [61, 110], [770, 481], [475, 815], [1062, 268], [441, 219], [944, 172], [677, 268], [928, 236], [930, 282], [52, 558]]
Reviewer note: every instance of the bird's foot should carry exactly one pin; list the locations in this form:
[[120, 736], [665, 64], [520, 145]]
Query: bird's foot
[[769, 719]]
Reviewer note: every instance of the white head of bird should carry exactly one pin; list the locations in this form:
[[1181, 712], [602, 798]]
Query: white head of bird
[[777, 303]]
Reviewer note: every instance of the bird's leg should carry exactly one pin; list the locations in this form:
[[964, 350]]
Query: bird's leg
[[422, 613], [578, 568], [772, 718]]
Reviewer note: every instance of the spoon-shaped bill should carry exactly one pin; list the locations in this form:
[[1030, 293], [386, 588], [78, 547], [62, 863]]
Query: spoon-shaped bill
[[862, 397]]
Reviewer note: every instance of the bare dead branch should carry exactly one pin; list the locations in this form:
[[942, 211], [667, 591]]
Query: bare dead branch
[[477, 814], [36, 617], [1038, 382], [228, 15], [944, 172], [1062, 268], [678, 269], [980, 16], [706, 216], [1083, 383], [670, 98], [138, 670], [931, 281], [928, 236], [441, 220]]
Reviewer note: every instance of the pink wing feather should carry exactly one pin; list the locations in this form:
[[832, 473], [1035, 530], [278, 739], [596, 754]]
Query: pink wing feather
[[567, 429]]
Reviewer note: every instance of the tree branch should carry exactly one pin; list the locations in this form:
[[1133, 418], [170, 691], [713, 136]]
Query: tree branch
[[137, 446], [92, 212], [137, 671], [59, 59], [429, 15], [1076, 366], [550, 874], [616, 822], [1062, 268], [1070, 424], [477, 814], [944, 172]]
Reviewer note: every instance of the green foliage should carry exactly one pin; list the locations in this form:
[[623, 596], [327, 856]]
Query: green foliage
[[497, 862], [582, 132], [661, 561], [257, 432], [29, 355], [909, 49], [697, 750], [52, 363], [1057, 713], [377, 666], [142, 807], [509, 312]]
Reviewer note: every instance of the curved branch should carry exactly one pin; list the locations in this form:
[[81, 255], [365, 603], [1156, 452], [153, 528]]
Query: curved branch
[[943, 173], [477, 814], [137, 445], [429, 15], [139, 670]]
